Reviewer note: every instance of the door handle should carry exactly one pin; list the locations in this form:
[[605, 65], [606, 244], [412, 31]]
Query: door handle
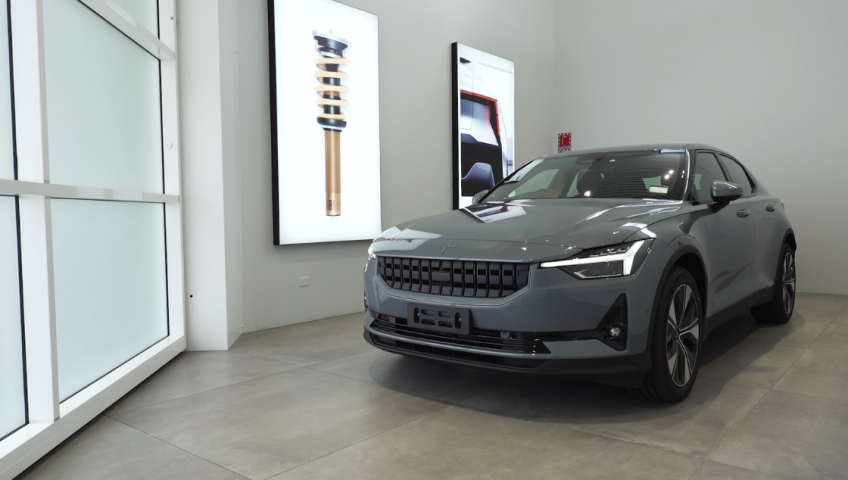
[[742, 213], [769, 208]]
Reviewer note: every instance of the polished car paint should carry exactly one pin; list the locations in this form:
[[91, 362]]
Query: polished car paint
[[731, 249]]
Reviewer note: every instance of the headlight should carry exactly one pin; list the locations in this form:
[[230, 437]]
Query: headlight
[[605, 262]]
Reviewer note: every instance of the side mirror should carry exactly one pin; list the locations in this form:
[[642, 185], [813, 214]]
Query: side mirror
[[479, 196], [724, 192]]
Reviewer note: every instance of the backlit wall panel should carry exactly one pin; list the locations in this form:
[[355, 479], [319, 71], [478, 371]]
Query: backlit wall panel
[[325, 122]]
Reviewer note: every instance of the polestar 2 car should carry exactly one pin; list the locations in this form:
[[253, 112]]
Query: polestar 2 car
[[610, 264]]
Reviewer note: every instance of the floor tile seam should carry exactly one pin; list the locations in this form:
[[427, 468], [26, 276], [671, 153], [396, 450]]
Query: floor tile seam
[[265, 358], [254, 355], [805, 346], [826, 349], [754, 358], [599, 434], [180, 448], [641, 444], [844, 309], [769, 341], [742, 419], [420, 395], [737, 466], [826, 327], [317, 362], [736, 383], [807, 349], [313, 323], [357, 442], [109, 414], [231, 351], [703, 461], [843, 402], [321, 362]]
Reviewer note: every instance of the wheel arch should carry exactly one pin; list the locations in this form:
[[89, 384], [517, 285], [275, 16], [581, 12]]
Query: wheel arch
[[689, 258], [789, 237]]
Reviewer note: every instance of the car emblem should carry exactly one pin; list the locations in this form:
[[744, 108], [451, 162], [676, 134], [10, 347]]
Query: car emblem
[[450, 245]]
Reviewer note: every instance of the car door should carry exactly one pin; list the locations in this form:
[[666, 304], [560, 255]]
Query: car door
[[767, 227], [730, 232]]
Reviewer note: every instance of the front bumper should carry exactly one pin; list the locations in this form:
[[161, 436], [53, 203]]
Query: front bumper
[[552, 305], [623, 366]]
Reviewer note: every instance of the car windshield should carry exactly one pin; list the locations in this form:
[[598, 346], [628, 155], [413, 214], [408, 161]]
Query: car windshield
[[597, 175]]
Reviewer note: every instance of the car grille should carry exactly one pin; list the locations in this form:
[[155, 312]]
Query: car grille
[[454, 278], [515, 342]]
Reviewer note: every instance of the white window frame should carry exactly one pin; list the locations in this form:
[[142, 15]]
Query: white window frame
[[50, 421]]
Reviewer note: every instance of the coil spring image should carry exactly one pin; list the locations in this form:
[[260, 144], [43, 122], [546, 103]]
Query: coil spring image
[[332, 120]]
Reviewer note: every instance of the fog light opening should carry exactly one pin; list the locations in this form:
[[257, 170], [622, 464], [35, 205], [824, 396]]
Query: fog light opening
[[613, 327]]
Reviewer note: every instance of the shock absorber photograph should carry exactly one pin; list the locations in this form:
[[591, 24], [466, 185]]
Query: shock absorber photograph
[[332, 119]]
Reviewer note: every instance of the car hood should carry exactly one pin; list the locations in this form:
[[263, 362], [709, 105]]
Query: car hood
[[580, 223]]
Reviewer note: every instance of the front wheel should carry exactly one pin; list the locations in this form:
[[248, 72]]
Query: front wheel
[[675, 340], [779, 310]]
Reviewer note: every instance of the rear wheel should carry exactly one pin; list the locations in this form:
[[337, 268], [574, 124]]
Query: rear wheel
[[675, 340], [779, 310]]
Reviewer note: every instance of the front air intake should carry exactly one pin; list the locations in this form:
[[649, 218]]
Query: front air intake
[[454, 278]]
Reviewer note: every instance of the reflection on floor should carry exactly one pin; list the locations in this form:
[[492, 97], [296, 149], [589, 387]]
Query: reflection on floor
[[315, 401]]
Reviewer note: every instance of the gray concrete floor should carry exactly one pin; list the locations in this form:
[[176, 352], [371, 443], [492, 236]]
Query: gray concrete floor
[[315, 401]]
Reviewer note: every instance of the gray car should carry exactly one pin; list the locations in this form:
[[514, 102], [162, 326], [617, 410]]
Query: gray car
[[610, 264]]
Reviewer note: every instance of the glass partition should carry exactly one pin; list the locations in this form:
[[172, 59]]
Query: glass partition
[[7, 168], [91, 277], [12, 400], [146, 13], [110, 287], [103, 106]]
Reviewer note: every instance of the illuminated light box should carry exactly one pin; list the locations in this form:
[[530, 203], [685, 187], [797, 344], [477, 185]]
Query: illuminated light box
[[325, 125], [483, 121]]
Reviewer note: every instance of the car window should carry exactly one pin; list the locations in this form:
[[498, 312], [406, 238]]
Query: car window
[[538, 184], [707, 171], [737, 174], [572, 190], [637, 174]]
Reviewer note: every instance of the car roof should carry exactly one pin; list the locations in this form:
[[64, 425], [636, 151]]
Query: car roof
[[654, 147]]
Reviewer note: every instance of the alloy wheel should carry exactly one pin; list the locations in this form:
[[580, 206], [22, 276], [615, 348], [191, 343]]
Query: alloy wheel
[[788, 282], [682, 335]]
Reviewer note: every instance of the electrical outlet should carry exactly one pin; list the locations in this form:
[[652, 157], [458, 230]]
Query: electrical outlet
[[303, 281]]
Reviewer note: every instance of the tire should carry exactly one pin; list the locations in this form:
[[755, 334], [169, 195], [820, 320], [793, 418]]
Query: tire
[[675, 340], [782, 305]]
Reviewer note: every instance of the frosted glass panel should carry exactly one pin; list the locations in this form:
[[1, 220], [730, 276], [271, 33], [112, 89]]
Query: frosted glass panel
[[103, 114], [109, 273], [12, 407], [146, 12], [7, 169]]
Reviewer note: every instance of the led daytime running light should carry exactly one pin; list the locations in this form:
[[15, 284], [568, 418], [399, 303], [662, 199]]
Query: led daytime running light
[[626, 257]]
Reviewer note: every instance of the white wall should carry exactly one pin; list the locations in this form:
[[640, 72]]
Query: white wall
[[209, 126], [415, 111], [764, 79]]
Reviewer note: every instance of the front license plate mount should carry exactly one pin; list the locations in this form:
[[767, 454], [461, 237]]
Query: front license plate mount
[[439, 318]]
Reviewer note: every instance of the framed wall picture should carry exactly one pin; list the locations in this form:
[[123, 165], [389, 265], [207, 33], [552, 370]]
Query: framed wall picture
[[325, 126], [483, 121]]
